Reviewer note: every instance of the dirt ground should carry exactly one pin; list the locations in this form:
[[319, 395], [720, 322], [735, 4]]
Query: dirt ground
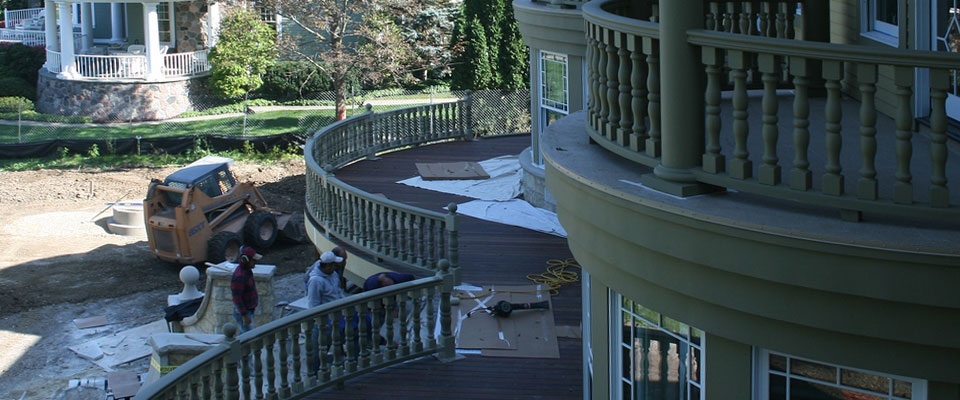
[[58, 262]]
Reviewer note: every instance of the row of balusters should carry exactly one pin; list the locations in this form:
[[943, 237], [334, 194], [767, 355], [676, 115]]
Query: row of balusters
[[282, 362], [776, 19], [368, 133], [414, 238], [624, 88], [832, 73]]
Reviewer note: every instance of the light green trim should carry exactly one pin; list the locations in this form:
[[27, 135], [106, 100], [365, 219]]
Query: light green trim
[[551, 29]]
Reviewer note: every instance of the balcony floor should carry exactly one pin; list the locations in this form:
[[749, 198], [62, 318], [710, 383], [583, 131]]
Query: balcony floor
[[489, 254]]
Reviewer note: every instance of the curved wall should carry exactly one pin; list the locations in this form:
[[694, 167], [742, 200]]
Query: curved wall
[[119, 101], [843, 296]]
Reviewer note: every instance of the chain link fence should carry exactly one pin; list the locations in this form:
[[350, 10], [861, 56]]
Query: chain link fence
[[495, 113]]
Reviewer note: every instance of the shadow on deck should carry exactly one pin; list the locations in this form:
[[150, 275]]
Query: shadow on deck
[[489, 254]]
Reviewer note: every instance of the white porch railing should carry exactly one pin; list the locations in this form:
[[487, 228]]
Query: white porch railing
[[111, 67], [28, 38], [12, 18], [128, 66], [53, 61], [186, 64]]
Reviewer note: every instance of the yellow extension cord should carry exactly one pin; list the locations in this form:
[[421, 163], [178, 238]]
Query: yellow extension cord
[[554, 277]]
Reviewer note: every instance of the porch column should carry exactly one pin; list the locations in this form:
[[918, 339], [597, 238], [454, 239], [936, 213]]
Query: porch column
[[151, 34], [116, 22], [68, 70], [681, 106], [86, 26], [50, 29], [213, 14]]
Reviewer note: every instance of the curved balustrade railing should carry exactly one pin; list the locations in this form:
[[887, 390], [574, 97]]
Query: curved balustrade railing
[[279, 360], [623, 82], [624, 113], [723, 51], [386, 229]]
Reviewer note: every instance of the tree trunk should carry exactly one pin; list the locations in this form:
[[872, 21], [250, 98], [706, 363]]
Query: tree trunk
[[340, 97]]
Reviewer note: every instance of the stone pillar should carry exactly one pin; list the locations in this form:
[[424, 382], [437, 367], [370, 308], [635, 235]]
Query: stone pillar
[[50, 29], [86, 26], [681, 106], [217, 307], [116, 22], [213, 14], [151, 35], [68, 70]]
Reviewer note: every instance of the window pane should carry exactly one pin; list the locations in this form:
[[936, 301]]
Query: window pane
[[886, 11], [647, 313], [551, 116], [778, 387], [803, 390], [778, 362], [677, 327], [627, 356], [696, 336], [861, 380], [902, 389], [808, 369], [695, 361], [553, 75]]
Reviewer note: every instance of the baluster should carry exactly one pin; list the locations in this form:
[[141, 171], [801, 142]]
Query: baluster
[[782, 20], [402, 314], [221, 367], [294, 333], [713, 160], [791, 14], [390, 226], [800, 176], [764, 19], [832, 179], [746, 18], [368, 222], [391, 344], [613, 65], [728, 17], [939, 82], [638, 92], [258, 369], [741, 166], [354, 207], [431, 318], [245, 372], [351, 338], [867, 185], [652, 49], [626, 114], [591, 75], [339, 341], [448, 342], [284, 370], [378, 230], [208, 371], [453, 251], [903, 187], [404, 239], [710, 20], [378, 310], [769, 172], [365, 335], [324, 346], [421, 238], [431, 251], [194, 387], [180, 390], [417, 304], [602, 82], [271, 368]]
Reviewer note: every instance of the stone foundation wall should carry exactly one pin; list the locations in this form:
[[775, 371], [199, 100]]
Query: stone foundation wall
[[220, 310], [119, 101], [193, 25], [534, 183]]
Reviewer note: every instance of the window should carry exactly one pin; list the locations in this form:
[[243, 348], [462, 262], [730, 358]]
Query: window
[[881, 21], [784, 377], [554, 94], [164, 22], [657, 357]]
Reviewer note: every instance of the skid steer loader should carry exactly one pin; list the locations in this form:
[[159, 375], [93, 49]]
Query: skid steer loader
[[200, 213]]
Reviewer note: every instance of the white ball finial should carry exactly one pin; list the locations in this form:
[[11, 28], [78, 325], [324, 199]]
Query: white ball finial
[[189, 275]]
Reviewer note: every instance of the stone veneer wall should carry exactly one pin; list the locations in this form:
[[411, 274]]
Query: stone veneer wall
[[120, 101], [192, 25], [219, 309]]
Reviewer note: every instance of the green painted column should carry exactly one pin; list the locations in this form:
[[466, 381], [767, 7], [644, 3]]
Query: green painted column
[[600, 338], [728, 368], [535, 105], [681, 105]]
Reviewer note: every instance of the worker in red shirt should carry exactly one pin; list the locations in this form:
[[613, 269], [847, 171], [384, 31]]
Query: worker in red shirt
[[244, 289]]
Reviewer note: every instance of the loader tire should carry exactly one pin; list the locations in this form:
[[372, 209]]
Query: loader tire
[[224, 246], [260, 229]]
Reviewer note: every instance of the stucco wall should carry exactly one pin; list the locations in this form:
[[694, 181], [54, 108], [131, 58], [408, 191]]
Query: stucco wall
[[118, 101], [192, 26]]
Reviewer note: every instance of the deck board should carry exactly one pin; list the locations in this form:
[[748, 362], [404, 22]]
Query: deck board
[[489, 254]]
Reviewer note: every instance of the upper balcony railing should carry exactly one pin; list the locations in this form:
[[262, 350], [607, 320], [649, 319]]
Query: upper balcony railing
[[13, 18], [624, 109], [319, 347]]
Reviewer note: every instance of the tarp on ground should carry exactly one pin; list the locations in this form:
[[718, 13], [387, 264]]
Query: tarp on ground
[[514, 212], [164, 145]]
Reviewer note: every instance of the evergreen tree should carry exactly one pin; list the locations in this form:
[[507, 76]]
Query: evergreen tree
[[474, 70], [505, 54], [513, 60]]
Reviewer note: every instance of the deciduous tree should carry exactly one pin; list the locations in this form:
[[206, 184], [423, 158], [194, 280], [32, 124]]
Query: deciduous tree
[[245, 49]]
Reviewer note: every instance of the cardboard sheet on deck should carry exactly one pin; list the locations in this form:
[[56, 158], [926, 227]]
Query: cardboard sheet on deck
[[464, 170], [524, 334]]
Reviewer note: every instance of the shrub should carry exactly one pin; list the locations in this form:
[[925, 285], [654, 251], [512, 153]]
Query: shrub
[[308, 102], [293, 80], [228, 108], [17, 60], [12, 86], [15, 104], [31, 115]]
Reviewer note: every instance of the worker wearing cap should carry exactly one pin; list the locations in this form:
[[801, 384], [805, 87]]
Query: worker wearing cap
[[244, 289], [323, 282]]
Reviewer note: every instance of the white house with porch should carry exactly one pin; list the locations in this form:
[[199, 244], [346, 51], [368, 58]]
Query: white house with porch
[[131, 61]]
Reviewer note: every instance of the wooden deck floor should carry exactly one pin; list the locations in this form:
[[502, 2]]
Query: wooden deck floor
[[489, 254]]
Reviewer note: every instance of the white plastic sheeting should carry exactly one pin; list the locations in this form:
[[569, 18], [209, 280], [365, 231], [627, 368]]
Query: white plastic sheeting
[[514, 212], [504, 182]]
